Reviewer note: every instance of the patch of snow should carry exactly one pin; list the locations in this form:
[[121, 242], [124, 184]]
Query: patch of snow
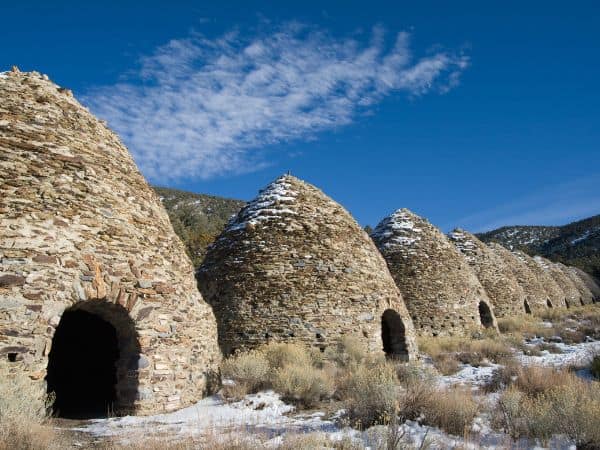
[[397, 229], [584, 236], [572, 355], [272, 203], [4, 74]]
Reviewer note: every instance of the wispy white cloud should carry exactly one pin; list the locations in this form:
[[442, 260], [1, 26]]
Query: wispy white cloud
[[200, 107], [555, 205]]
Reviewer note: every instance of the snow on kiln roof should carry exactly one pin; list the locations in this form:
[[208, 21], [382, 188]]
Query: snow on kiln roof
[[463, 242], [397, 229], [272, 203]]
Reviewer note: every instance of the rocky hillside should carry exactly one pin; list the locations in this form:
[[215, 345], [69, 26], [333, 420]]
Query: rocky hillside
[[197, 218], [577, 243]]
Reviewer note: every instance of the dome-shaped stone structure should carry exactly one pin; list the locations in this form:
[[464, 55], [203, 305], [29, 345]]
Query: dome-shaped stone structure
[[590, 283], [498, 279], [441, 291], [535, 294], [555, 297], [571, 296], [97, 295], [294, 266], [585, 295]]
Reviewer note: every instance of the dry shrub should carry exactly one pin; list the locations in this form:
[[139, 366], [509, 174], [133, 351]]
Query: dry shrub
[[476, 352], [502, 377], [369, 392], [249, 371], [452, 410], [595, 366], [535, 380], [311, 441], [303, 384], [524, 325], [348, 350], [415, 398], [447, 364], [280, 354], [571, 409], [24, 414]]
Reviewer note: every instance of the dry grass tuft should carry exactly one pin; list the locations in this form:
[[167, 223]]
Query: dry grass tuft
[[571, 407], [24, 417], [303, 384], [248, 370], [447, 352], [279, 354], [369, 392]]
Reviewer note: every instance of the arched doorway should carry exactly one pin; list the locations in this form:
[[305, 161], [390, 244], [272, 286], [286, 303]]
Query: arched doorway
[[567, 303], [526, 306], [485, 314], [393, 335], [90, 362], [548, 303]]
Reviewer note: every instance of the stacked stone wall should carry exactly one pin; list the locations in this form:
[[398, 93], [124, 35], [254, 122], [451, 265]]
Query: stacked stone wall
[[81, 229]]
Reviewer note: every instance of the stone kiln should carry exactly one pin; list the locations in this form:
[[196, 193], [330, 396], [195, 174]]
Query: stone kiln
[[97, 295], [589, 281], [294, 266], [535, 294], [585, 295], [493, 272], [571, 296], [441, 291], [555, 296]]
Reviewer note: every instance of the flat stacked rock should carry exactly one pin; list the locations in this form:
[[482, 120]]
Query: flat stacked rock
[[83, 233], [535, 294], [586, 296], [572, 297], [440, 289], [498, 279], [294, 266], [555, 297], [590, 283]]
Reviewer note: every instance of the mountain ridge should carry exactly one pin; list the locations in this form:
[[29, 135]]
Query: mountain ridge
[[576, 243]]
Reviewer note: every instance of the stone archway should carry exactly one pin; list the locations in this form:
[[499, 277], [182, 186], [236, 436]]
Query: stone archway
[[526, 307], [485, 315], [567, 303], [91, 363], [393, 335], [548, 303]]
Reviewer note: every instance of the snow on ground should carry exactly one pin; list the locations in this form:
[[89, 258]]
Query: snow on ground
[[265, 415], [261, 413], [572, 355]]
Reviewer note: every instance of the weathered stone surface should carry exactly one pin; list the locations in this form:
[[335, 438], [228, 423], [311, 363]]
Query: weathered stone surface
[[79, 227], [441, 291], [535, 294], [7, 280], [590, 283], [495, 275], [585, 295], [570, 294], [555, 296], [293, 265]]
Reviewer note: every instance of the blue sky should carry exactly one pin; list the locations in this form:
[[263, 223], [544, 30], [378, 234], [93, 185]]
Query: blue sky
[[472, 114]]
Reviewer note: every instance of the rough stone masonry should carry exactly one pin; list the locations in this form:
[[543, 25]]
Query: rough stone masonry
[[441, 291], [294, 266], [82, 231]]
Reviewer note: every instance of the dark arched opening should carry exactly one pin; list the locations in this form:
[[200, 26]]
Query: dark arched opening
[[93, 362], [567, 303], [485, 314], [548, 303], [393, 335], [526, 306]]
